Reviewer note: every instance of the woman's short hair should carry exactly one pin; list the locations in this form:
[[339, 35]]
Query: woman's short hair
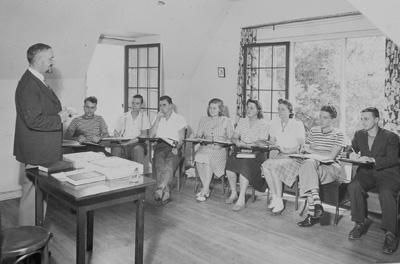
[[288, 105], [330, 109], [221, 107], [258, 106]]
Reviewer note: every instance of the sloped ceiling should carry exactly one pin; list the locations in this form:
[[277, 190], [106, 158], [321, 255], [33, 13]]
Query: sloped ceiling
[[384, 14], [73, 27]]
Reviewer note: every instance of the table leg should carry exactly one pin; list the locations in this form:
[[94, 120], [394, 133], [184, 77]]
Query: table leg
[[81, 218], [38, 205], [139, 236], [90, 219]]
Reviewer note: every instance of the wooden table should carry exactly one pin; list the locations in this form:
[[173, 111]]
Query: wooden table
[[84, 199]]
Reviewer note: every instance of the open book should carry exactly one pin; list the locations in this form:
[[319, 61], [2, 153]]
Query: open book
[[169, 141], [209, 141], [318, 157]]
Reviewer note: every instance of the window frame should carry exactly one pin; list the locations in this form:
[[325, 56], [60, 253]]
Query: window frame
[[287, 45], [126, 77]]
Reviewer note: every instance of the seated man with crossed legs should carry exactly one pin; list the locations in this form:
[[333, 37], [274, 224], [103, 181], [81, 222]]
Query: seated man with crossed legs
[[380, 148], [327, 141], [170, 126]]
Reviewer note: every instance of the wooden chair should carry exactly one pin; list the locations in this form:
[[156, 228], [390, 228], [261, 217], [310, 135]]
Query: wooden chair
[[294, 189], [20, 243]]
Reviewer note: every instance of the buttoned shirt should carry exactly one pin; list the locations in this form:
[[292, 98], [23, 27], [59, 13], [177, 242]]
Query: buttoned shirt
[[169, 128]]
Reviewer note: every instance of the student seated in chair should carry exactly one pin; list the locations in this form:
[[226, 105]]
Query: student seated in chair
[[132, 124], [88, 128], [211, 159], [380, 148], [287, 134], [327, 141], [170, 126], [250, 131]]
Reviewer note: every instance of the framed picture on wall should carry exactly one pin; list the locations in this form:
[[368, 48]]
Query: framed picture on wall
[[221, 72]]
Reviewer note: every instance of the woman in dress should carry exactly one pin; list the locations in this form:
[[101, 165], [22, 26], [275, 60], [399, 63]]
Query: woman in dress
[[211, 158], [287, 134], [250, 131]]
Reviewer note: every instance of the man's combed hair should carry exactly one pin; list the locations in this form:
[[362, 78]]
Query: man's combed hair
[[167, 98], [91, 99], [372, 110], [35, 49], [138, 96], [330, 109]]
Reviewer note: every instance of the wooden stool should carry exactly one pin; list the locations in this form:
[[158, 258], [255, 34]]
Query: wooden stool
[[21, 242]]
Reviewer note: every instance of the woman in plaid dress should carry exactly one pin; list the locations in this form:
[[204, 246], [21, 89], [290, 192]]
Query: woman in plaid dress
[[210, 159], [288, 135]]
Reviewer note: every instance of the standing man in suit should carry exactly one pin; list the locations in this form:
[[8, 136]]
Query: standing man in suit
[[38, 128], [380, 148]]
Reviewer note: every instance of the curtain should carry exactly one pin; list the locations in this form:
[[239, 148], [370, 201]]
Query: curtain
[[392, 86], [248, 36]]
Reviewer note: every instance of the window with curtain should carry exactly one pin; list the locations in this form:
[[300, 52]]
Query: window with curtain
[[266, 69], [142, 76]]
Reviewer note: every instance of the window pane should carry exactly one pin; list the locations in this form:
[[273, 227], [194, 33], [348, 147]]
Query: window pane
[[265, 100], [279, 56], [364, 75], [153, 78], [279, 79], [317, 77], [142, 78], [132, 77], [266, 56], [265, 79], [132, 57], [143, 57], [153, 98], [153, 57]]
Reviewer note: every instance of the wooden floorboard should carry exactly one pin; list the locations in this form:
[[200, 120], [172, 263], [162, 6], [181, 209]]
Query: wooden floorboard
[[185, 231]]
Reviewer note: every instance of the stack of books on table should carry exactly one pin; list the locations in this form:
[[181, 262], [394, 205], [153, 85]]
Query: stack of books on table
[[115, 167], [82, 159]]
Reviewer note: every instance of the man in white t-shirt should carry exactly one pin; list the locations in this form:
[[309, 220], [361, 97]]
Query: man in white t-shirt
[[132, 124], [170, 127]]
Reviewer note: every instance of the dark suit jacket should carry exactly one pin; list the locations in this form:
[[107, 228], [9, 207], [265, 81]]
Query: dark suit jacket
[[385, 151], [38, 128]]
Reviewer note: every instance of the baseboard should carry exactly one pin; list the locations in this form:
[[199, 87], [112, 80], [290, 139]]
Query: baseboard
[[10, 194]]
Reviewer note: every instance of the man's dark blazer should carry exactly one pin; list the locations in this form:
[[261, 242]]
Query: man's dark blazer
[[385, 151], [38, 128]]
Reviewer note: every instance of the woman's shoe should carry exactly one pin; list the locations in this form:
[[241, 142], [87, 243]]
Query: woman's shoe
[[231, 200], [203, 197], [272, 204], [279, 207], [238, 207]]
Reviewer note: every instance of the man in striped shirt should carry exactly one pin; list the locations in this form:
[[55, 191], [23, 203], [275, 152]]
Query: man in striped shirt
[[89, 127], [327, 141]]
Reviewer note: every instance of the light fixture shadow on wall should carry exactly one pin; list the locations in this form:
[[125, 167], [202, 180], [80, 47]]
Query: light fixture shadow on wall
[[120, 38]]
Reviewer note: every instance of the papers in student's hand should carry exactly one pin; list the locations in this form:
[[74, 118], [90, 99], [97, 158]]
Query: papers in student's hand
[[318, 157]]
